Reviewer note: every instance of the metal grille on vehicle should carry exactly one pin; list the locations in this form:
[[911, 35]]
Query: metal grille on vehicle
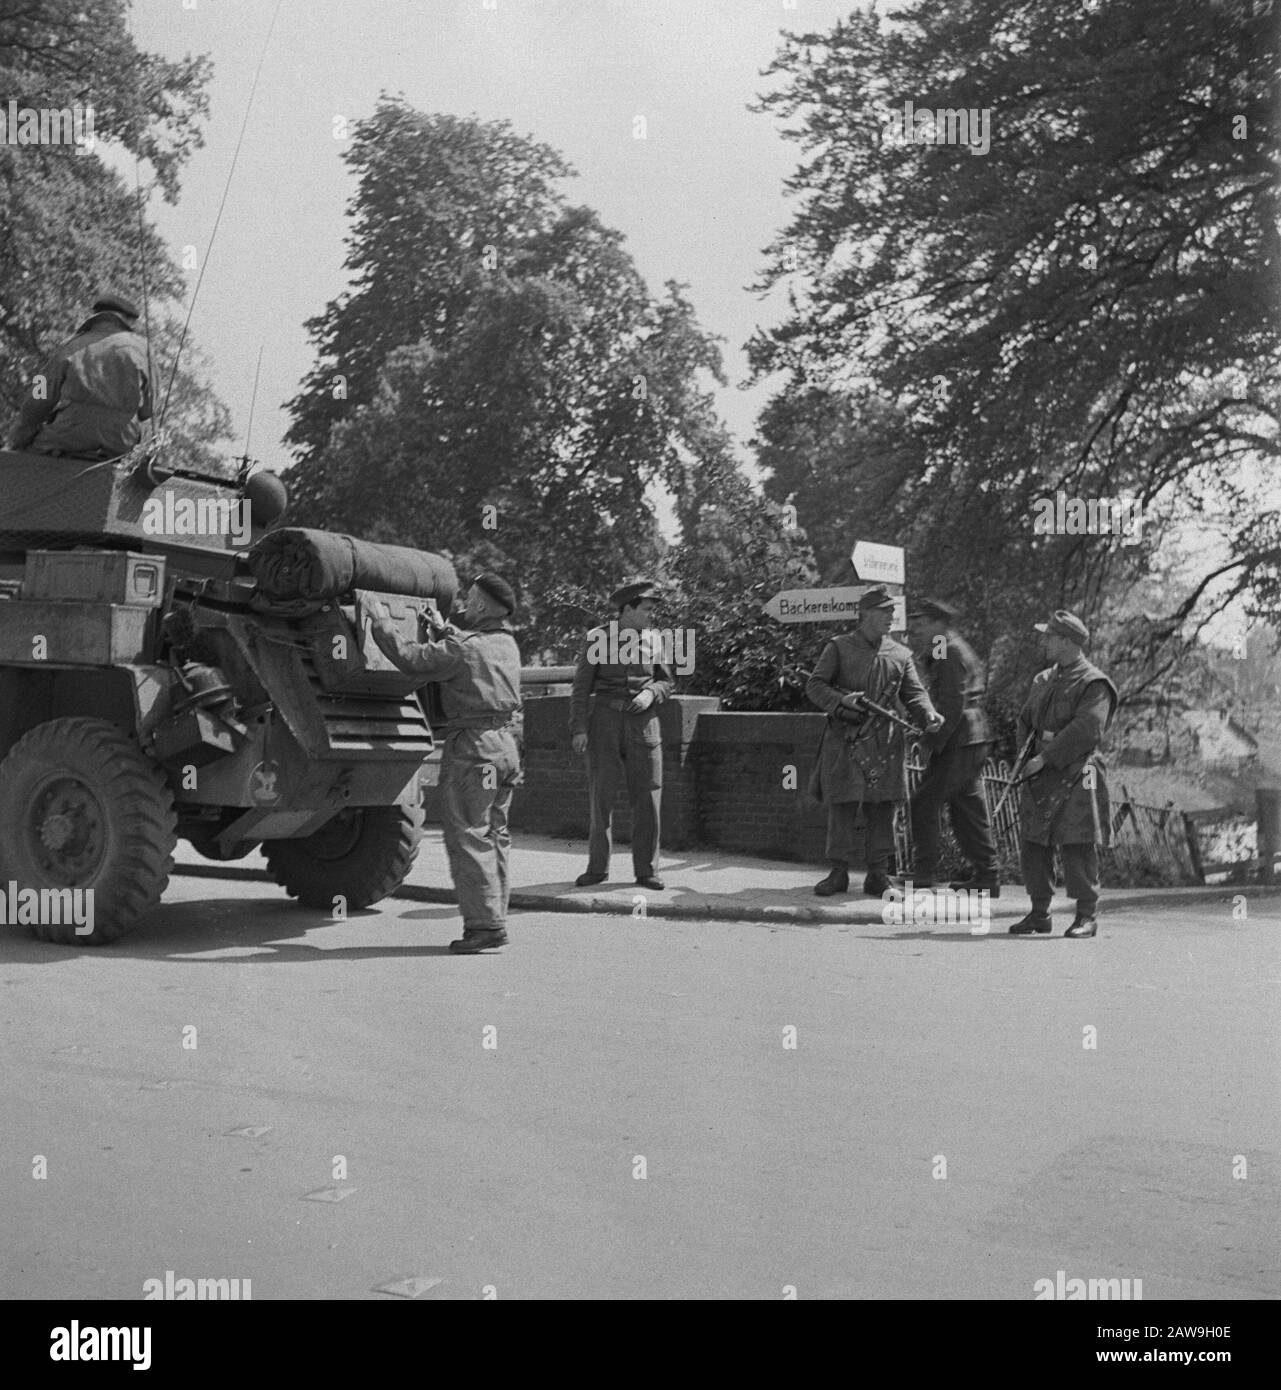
[[358, 723]]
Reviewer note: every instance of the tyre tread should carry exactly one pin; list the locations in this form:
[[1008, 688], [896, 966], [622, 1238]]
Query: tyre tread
[[146, 822], [390, 853]]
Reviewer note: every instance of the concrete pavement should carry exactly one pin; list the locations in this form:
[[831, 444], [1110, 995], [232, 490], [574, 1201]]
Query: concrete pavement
[[709, 885]]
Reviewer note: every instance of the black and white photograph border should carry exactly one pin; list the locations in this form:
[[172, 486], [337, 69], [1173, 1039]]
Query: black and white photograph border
[[639, 656]]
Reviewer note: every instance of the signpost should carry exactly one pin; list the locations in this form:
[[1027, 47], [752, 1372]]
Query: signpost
[[873, 564], [827, 606], [879, 564]]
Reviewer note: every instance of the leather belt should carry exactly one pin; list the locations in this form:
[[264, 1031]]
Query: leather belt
[[496, 721], [621, 705]]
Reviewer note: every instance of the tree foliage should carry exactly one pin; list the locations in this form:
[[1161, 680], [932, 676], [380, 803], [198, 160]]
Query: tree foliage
[[498, 378], [1089, 306], [744, 552], [69, 223]]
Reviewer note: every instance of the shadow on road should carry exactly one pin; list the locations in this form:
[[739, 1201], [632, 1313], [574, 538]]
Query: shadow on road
[[275, 929]]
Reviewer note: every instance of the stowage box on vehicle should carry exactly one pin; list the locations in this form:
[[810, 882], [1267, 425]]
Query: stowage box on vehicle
[[95, 576]]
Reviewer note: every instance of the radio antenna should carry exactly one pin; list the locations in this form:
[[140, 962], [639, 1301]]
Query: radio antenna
[[142, 259], [244, 125], [252, 401]]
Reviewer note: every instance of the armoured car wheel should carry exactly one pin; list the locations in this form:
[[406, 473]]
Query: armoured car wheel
[[362, 855], [83, 808]]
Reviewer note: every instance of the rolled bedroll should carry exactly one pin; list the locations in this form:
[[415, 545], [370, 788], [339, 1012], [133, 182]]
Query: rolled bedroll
[[297, 563]]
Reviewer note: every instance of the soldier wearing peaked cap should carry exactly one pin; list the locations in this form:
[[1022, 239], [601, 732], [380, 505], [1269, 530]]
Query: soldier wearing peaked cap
[[89, 397], [478, 668], [954, 776], [861, 758], [620, 673], [1064, 796]]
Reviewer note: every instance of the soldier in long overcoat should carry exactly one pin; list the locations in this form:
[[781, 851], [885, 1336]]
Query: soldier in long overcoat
[[861, 760], [1064, 798]]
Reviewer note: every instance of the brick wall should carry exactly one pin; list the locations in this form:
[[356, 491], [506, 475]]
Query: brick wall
[[735, 782], [730, 781], [751, 775], [553, 800]]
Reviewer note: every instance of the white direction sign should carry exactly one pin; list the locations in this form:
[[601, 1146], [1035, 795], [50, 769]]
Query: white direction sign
[[879, 564], [827, 606]]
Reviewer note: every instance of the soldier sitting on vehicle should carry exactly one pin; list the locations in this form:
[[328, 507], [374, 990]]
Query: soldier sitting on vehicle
[[88, 398]]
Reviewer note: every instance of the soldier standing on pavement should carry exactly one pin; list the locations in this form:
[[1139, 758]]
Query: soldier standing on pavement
[[622, 738], [1064, 796], [958, 750], [89, 396], [479, 674], [861, 758]]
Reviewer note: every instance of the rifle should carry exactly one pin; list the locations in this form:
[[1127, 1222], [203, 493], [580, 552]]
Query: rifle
[[1016, 776]]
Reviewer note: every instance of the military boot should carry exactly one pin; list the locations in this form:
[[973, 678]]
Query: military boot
[[876, 883], [926, 881], [1038, 922], [1083, 924], [477, 939], [838, 881], [977, 882]]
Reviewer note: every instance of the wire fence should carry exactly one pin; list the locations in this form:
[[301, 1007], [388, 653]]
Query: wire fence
[[1151, 845]]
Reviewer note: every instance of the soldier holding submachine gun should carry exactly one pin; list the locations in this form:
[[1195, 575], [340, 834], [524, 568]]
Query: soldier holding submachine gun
[[861, 761]]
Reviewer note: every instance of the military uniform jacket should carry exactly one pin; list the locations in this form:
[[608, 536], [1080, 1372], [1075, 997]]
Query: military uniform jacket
[[478, 670], [95, 391], [864, 761], [616, 680], [956, 683], [1074, 706]]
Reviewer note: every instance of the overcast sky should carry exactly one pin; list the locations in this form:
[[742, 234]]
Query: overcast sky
[[697, 200]]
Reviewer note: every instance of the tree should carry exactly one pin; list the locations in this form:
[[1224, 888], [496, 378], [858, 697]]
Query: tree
[[197, 424], [1085, 306], [839, 461], [69, 224], [744, 551], [441, 203], [499, 379]]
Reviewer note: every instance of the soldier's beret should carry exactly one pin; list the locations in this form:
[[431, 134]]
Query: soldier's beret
[[876, 597], [1065, 624], [498, 589], [628, 594], [933, 608], [115, 304]]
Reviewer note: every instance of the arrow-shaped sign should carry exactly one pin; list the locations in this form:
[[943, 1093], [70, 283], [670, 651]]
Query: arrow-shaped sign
[[879, 564], [827, 606]]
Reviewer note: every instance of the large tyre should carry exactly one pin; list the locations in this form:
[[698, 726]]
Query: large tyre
[[362, 855], [81, 806]]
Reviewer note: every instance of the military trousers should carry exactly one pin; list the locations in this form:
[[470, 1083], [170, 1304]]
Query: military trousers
[[624, 748], [842, 846], [479, 771], [954, 778], [1080, 871]]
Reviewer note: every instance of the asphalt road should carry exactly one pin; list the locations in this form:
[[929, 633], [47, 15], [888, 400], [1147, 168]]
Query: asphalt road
[[639, 1125]]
